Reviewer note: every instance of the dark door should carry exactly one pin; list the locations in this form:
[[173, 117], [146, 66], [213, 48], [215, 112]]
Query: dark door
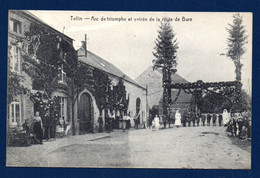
[[85, 116]]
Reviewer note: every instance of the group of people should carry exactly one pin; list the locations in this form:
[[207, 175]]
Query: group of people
[[202, 118], [239, 126], [114, 122], [109, 123], [31, 132], [189, 118]]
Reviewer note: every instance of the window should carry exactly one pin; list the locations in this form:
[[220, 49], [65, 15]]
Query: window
[[15, 59], [15, 112], [61, 75], [63, 108], [15, 26]]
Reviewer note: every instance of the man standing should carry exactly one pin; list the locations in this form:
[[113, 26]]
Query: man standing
[[100, 124], [220, 119], [189, 118], [214, 119], [184, 118], [240, 124], [111, 123], [107, 119], [208, 119], [164, 121], [198, 120], [203, 119], [136, 119], [234, 126], [193, 119]]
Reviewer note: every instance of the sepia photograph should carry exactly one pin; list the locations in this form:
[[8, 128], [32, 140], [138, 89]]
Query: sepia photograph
[[129, 89]]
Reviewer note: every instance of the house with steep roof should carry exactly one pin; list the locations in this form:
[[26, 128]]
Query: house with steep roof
[[152, 80], [135, 92]]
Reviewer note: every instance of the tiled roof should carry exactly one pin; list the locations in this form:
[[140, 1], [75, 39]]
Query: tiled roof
[[99, 63], [153, 80], [182, 98]]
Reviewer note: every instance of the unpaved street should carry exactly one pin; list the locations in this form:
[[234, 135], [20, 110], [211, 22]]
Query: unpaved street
[[190, 147]]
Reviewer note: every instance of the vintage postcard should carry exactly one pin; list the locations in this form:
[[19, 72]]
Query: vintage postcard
[[115, 89]]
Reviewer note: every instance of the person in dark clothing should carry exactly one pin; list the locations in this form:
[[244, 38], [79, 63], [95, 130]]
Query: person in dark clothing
[[184, 119], [198, 120], [214, 119], [203, 119], [111, 123], [230, 127], [100, 124], [150, 121], [189, 119], [27, 136], [193, 119], [136, 120], [107, 120], [240, 125], [208, 119], [249, 129], [164, 121], [37, 127], [234, 127], [220, 118], [26, 127]]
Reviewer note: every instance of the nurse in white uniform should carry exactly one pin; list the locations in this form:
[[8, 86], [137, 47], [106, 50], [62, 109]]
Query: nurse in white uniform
[[178, 118], [157, 122], [226, 117]]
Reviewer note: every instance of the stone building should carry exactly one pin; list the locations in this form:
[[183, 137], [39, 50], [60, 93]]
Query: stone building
[[135, 92], [152, 79], [22, 107]]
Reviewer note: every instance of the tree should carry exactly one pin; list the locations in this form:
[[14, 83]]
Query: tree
[[102, 87], [165, 54], [216, 102], [118, 97], [51, 61], [44, 58], [236, 40]]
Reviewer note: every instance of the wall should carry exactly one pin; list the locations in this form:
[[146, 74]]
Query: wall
[[26, 104], [134, 92], [26, 20]]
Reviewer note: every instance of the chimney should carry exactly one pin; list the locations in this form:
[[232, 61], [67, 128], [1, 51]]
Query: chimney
[[85, 47]]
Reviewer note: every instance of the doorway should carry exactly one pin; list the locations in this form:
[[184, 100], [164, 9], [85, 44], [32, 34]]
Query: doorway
[[85, 114]]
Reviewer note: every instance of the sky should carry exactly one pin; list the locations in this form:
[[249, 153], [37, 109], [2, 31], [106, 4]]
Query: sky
[[126, 39]]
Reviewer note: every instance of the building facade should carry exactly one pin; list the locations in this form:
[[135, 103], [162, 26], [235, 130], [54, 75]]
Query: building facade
[[135, 93], [22, 107], [83, 114], [152, 79]]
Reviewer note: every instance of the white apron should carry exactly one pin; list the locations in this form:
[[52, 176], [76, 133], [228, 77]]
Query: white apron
[[178, 119]]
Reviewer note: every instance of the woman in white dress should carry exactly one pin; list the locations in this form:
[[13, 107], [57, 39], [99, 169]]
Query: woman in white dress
[[157, 122], [178, 118], [226, 117]]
